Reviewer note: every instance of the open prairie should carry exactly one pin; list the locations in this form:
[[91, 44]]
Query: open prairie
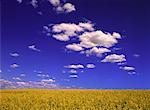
[[38, 99]]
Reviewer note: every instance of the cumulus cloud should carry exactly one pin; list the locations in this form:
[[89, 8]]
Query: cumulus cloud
[[87, 26], [74, 47], [19, 1], [65, 31], [14, 65], [34, 3], [33, 47], [75, 66], [96, 51], [61, 37], [14, 54], [68, 7], [114, 58], [55, 2], [98, 38], [90, 66], [73, 76]]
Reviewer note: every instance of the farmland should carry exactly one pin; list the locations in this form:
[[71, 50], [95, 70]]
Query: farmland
[[38, 99]]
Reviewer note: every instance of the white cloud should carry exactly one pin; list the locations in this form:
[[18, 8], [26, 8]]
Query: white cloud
[[68, 7], [61, 37], [73, 76], [72, 71], [22, 75], [75, 66], [43, 75], [48, 80], [136, 55], [45, 83], [66, 30], [19, 1], [14, 65], [114, 58], [33, 47], [127, 68], [55, 2], [87, 26], [14, 54], [90, 66], [69, 29], [98, 38], [74, 47], [16, 78], [121, 63], [34, 3], [97, 51]]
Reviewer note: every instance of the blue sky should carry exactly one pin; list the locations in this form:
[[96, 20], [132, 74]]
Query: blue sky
[[90, 44]]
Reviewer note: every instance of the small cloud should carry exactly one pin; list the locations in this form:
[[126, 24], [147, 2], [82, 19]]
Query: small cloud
[[90, 66], [73, 76], [55, 2], [127, 68], [33, 47], [14, 65], [72, 71], [114, 58], [136, 55], [121, 63], [16, 78], [48, 80], [68, 7], [43, 75], [0, 71], [40, 13], [34, 3], [22, 75], [75, 66], [14, 54], [19, 1]]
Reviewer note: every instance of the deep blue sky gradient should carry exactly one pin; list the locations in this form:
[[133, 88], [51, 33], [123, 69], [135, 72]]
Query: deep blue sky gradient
[[22, 26]]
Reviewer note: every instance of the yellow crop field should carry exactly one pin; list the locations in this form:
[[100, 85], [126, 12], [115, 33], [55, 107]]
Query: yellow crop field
[[38, 99]]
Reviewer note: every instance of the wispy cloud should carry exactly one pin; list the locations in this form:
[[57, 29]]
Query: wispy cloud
[[16, 78], [136, 55], [73, 76], [44, 83], [19, 1], [33, 47], [14, 54], [34, 3], [75, 66], [127, 68], [22, 75]]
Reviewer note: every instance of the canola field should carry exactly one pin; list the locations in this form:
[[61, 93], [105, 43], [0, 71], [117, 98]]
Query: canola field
[[38, 99]]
